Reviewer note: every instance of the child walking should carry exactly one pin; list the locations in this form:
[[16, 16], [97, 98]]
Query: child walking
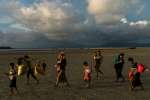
[[12, 77], [86, 74]]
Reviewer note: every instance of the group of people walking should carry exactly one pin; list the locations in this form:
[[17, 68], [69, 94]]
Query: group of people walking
[[25, 66]]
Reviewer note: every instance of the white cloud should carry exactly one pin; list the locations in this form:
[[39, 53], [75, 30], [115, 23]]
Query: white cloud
[[110, 11], [51, 16], [136, 24], [20, 27], [124, 20], [140, 23]]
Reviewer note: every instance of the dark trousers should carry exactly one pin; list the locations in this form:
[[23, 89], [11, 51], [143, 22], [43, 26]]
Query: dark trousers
[[119, 68], [31, 72]]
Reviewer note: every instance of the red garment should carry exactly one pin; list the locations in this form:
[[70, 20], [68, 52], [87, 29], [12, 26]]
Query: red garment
[[140, 68], [131, 75], [87, 74]]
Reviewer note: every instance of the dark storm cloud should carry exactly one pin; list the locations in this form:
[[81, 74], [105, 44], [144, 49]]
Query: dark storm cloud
[[68, 23]]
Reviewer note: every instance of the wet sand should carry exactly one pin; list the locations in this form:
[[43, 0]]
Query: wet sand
[[103, 89]]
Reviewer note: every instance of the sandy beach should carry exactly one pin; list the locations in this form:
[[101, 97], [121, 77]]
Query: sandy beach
[[103, 89]]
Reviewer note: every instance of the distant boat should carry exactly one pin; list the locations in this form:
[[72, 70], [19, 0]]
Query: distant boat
[[6, 48]]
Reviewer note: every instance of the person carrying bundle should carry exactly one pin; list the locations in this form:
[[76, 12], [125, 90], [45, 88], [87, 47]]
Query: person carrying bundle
[[30, 68], [21, 69], [98, 59], [39, 69], [12, 75]]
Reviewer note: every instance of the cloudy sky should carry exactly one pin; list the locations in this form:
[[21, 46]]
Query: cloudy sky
[[74, 23]]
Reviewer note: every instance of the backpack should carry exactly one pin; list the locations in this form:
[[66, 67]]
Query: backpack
[[140, 68]]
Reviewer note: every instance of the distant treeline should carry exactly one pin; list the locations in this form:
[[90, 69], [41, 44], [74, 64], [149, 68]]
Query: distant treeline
[[6, 48]]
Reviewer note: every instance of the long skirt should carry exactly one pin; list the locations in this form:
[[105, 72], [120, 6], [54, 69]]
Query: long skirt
[[62, 77]]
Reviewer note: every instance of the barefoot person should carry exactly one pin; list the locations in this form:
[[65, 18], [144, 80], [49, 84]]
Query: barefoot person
[[118, 65], [62, 62], [98, 59], [86, 74], [30, 68], [12, 74]]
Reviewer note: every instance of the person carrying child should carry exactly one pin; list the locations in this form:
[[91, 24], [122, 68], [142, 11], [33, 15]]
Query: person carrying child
[[61, 69], [86, 74]]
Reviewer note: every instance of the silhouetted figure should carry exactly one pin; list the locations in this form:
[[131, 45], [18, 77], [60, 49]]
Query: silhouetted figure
[[44, 65], [61, 76], [98, 59], [30, 68], [12, 75], [118, 65]]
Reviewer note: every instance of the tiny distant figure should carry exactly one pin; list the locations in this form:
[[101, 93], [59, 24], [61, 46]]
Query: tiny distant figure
[[86, 74], [118, 65], [30, 68], [12, 75], [61, 69], [98, 59], [44, 65]]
